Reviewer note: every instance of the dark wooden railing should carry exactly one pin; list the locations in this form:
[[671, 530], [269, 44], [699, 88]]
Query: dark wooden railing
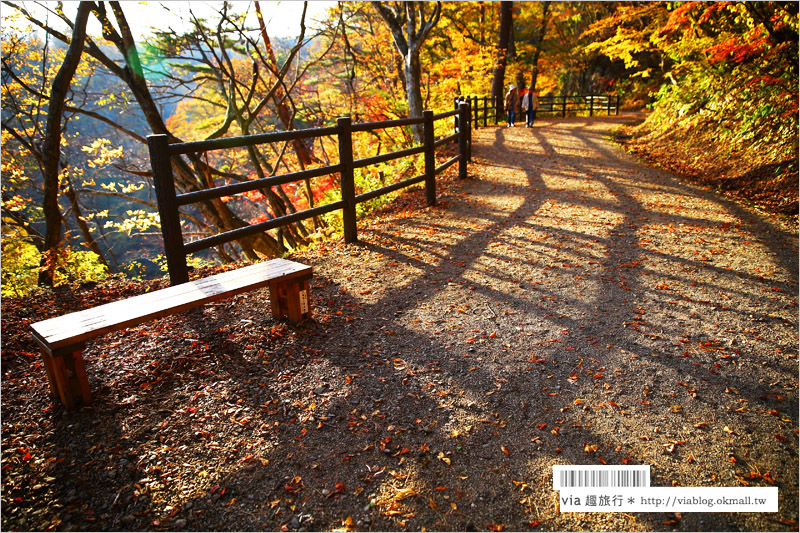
[[482, 109], [169, 201], [595, 104]]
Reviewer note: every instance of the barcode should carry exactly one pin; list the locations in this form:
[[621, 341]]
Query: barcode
[[565, 476]]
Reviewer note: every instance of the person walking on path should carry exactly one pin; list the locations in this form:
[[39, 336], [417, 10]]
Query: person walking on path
[[511, 104], [530, 103]]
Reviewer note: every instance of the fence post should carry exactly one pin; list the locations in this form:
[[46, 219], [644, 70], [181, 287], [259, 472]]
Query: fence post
[[608, 112], [564, 106], [168, 208], [485, 110], [469, 132], [456, 103], [348, 179], [591, 105], [474, 115], [463, 121], [430, 158], [616, 109]]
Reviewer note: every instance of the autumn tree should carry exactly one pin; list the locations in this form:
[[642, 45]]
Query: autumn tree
[[192, 172], [51, 145], [538, 42], [410, 24], [39, 87], [503, 41]]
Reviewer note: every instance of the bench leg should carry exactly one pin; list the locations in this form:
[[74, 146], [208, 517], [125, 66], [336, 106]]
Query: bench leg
[[68, 379], [51, 375], [290, 299], [81, 379], [276, 299]]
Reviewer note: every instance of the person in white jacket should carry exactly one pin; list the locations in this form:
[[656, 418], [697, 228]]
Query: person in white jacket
[[530, 103]]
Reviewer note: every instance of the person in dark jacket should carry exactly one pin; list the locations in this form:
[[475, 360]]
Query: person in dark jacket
[[511, 104]]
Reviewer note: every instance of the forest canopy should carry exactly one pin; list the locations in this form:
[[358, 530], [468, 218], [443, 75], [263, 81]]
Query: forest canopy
[[77, 194]]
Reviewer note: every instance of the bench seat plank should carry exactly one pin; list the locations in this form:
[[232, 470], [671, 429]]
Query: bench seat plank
[[74, 328]]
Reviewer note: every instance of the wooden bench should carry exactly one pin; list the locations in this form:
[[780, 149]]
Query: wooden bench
[[62, 339]]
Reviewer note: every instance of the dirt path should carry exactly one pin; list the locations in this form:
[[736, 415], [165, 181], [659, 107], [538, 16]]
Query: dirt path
[[592, 295], [565, 305]]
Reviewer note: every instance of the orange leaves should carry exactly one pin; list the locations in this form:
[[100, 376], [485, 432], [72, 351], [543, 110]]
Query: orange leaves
[[348, 524], [405, 493], [295, 485], [766, 477], [521, 484]]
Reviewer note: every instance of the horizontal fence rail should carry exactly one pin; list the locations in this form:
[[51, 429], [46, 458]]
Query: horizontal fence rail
[[483, 109], [595, 104], [163, 154]]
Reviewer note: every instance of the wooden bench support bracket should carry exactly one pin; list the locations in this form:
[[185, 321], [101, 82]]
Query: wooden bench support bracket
[[290, 299]]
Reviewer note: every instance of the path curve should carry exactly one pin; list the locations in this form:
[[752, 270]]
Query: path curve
[[593, 303]]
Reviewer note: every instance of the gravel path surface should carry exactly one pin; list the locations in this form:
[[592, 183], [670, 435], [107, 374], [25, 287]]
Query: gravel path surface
[[565, 305]]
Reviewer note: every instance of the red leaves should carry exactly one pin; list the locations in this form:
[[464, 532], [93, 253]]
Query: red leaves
[[295, 485]]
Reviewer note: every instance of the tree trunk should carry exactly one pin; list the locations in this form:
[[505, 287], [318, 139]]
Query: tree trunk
[[482, 22], [82, 225], [410, 27], [506, 21], [51, 147], [539, 40], [413, 72]]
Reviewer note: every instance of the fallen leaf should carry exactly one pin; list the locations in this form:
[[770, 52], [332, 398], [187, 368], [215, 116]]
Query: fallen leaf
[[407, 492]]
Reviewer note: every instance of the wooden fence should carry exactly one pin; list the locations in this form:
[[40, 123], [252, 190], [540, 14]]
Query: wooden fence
[[481, 109], [169, 201], [595, 104]]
